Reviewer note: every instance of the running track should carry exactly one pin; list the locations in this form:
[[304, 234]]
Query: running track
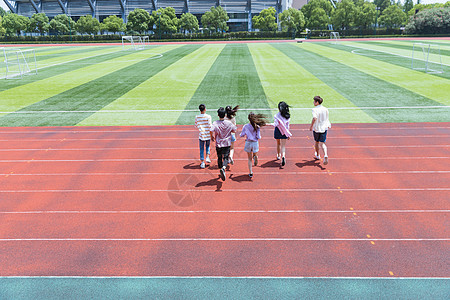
[[132, 201]]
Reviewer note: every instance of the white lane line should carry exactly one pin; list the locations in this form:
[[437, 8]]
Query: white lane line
[[196, 110], [191, 138], [228, 239], [15, 131], [224, 190], [414, 211], [208, 174], [196, 148], [231, 277], [195, 159]]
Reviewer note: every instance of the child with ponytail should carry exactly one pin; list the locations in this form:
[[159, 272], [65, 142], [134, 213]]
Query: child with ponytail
[[252, 133], [282, 133]]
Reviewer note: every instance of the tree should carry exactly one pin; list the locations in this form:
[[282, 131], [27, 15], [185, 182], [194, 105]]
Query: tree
[[113, 24], [165, 20], [39, 23], [188, 22], [292, 20], [14, 24], [382, 4], [215, 19], [430, 21], [266, 20], [62, 24], [408, 5], [365, 15], [87, 24], [2, 12], [2, 30], [318, 19], [392, 17], [312, 6], [138, 20], [344, 14]]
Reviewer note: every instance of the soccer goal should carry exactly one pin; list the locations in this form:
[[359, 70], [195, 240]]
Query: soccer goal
[[335, 37], [427, 57], [18, 62], [134, 42]]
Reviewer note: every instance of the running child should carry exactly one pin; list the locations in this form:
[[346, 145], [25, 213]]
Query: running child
[[282, 133], [221, 133], [252, 132], [319, 126], [203, 123], [231, 116]]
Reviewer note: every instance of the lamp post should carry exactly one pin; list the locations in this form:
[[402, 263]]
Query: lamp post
[[159, 24], [376, 19]]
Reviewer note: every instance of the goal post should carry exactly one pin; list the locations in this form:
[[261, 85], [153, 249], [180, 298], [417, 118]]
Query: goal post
[[334, 36], [427, 57], [134, 42], [19, 62]]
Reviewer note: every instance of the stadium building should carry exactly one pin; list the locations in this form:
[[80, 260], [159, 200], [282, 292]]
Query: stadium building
[[239, 11]]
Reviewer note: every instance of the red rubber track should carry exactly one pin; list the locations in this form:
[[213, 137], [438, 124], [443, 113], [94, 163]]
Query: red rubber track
[[133, 201]]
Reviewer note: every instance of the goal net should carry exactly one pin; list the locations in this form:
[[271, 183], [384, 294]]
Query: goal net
[[334, 37], [427, 57], [134, 42], [18, 62]]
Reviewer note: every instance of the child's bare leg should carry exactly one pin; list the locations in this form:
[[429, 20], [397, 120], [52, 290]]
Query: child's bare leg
[[278, 149], [316, 148], [250, 157], [283, 148]]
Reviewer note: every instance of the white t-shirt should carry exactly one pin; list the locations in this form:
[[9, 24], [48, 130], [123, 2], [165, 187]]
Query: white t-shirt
[[322, 123]]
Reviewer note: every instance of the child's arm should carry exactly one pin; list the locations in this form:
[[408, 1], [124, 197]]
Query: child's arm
[[312, 123]]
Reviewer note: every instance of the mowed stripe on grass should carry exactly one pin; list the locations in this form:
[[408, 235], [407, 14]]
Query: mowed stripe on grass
[[231, 80], [361, 88], [429, 86], [285, 80], [86, 98], [172, 88]]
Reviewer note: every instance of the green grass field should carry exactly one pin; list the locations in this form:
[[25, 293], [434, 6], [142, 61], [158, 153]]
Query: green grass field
[[364, 81]]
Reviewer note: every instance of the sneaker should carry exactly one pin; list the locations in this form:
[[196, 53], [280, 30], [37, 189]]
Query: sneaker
[[231, 161], [208, 160], [283, 161], [202, 165], [255, 158], [222, 174], [316, 156], [278, 157], [325, 160], [250, 175]]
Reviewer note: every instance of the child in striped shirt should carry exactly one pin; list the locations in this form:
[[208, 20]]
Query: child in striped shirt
[[203, 123]]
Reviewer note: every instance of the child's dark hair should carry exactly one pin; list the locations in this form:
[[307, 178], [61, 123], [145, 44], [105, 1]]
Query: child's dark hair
[[202, 107], [221, 112], [231, 112], [257, 120], [283, 107], [318, 99]]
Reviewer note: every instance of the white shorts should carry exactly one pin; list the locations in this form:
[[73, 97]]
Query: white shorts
[[251, 146]]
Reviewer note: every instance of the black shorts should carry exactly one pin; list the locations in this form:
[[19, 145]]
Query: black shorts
[[320, 136], [277, 134]]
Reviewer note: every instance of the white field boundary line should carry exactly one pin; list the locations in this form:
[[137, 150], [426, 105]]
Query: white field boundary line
[[395, 54], [208, 174], [221, 211], [251, 239], [32, 160], [196, 110], [225, 190], [226, 277], [196, 148], [193, 138], [196, 130]]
